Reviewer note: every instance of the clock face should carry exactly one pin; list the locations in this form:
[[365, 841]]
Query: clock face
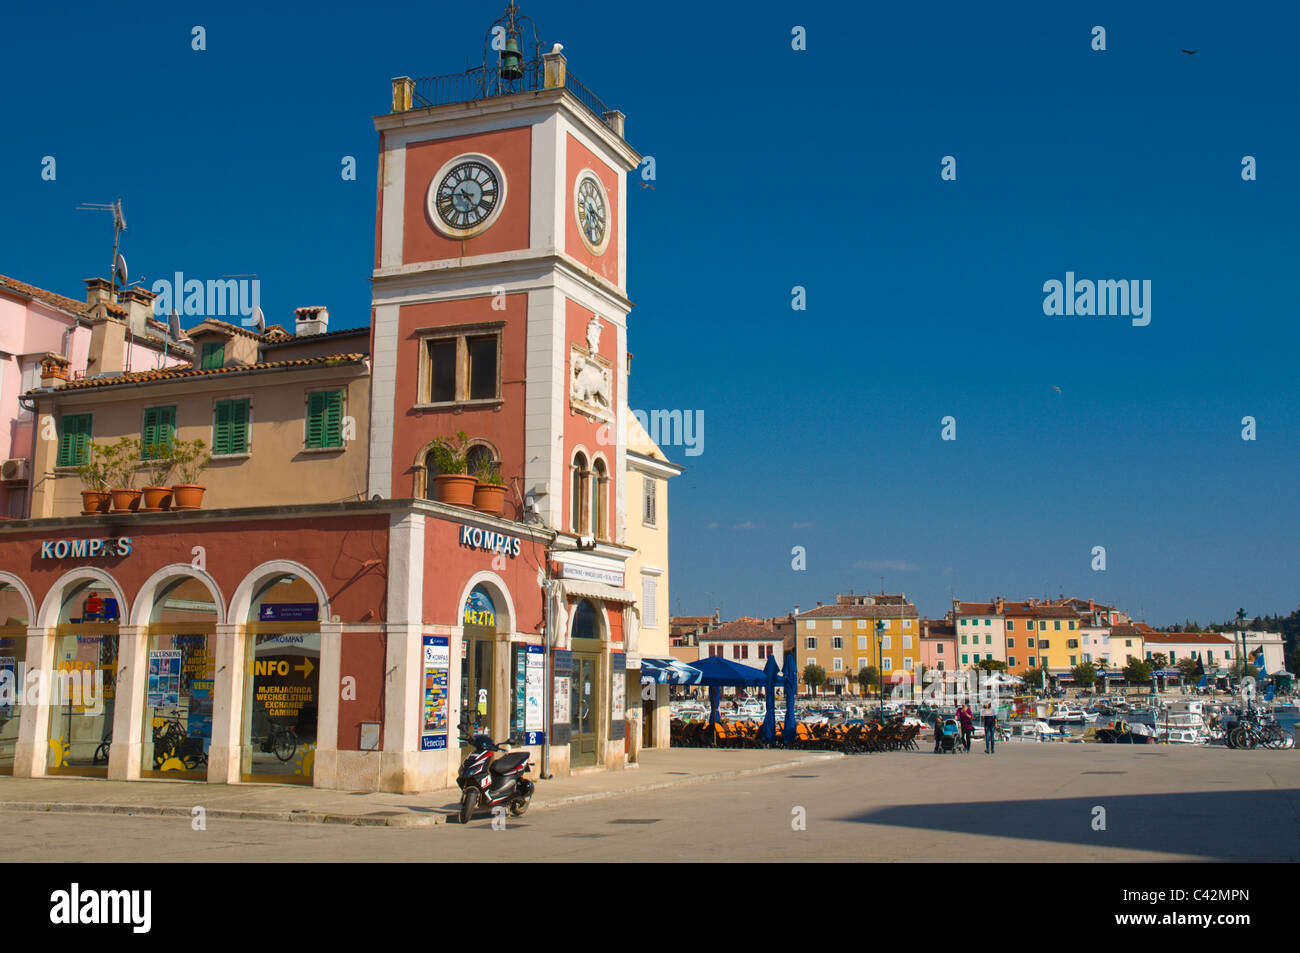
[[466, 195], [592, 211]]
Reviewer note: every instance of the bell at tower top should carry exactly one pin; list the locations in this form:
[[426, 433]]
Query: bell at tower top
[[513, 62]]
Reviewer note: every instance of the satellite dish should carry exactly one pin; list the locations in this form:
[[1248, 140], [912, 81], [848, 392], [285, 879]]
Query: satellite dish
[[120, 269], [259, 320], [174, 325]]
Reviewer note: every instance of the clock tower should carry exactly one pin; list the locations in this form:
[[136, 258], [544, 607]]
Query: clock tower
[[500, 285]]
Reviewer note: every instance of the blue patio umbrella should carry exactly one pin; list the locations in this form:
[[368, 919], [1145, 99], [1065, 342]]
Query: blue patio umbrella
[[791, 679], [715, 696], [769, 716]]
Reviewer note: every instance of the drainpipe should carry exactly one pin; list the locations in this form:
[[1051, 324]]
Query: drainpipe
[[548, 682]]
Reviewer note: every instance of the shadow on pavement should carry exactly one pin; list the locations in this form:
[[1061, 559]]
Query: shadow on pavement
[[1259, 825]]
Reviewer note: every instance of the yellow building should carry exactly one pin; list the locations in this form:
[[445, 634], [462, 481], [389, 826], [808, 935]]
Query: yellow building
[[286, 417], [842, 639], [1043, 636], [648, 473]]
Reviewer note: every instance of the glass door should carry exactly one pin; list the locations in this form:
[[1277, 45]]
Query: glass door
[[584, 691], [477, 705]]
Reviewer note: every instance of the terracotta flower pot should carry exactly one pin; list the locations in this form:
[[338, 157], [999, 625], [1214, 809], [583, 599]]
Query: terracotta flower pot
[[187, 496], [94, 502], [155, 499], [124, 500], [456, 488], [489, 498]]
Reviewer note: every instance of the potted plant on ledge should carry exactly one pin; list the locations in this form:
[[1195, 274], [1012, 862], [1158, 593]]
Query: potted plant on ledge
[[190, 459], [159, 460], [454, 485], [119, 470], [95, 498], [490, 489]]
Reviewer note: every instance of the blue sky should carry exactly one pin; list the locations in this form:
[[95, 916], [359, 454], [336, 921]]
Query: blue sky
[[818, 168]]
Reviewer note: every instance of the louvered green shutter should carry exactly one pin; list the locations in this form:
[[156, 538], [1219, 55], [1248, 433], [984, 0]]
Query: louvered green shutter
[[221, 429], [159, 429], [334, 419], [315, 418], [325, 419], [230, 427], [239, 426], [74, 440]]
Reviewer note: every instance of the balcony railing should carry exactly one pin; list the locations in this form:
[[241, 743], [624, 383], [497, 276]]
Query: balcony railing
[[484, 83]]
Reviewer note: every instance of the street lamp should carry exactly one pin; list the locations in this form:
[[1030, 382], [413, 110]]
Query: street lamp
[[880, 666]]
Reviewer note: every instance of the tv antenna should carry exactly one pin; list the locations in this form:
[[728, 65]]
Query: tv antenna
[[118, 270]]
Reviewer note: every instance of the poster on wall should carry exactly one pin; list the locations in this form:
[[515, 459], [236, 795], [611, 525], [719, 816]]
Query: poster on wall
[[435, 697], [534, 685], [164, 679], [518, 704], [8, 685], [562, 700], [617, 703]]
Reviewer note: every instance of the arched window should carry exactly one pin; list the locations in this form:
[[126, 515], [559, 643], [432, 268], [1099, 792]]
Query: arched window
[[581, 499], [477, 457], [601, 496], [586, 622]]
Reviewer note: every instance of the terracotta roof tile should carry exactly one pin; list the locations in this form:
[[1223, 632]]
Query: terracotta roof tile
[[1185, 638], [170, 374], [741, 630], [860, 612], [25, 290]]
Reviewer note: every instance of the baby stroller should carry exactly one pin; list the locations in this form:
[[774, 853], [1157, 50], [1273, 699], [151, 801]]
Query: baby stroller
[[950, 740]]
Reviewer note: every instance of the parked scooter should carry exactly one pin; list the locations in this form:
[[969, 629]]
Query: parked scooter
[[486, 783]]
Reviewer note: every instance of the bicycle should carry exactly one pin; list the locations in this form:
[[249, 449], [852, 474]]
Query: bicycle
[[276, 739], [101, 753], [171, 740]]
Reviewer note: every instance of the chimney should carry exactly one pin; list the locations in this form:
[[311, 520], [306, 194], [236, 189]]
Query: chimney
[[796, 611], [107, 347], [99, 291], [1001, 603], [139, 308], [1090, 606], [403, 93], [54, 370], [312, 320], [553, 66]]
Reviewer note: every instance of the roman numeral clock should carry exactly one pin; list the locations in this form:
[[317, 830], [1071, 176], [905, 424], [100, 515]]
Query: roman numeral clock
[[466, 196]]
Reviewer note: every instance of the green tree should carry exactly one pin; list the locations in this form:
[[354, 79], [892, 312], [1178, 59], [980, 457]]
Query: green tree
[[1033, 677], [1158, 661], [814, 676], [1137, 671], [1187, 668], [992, 665], [1085, 674], [867, 677]]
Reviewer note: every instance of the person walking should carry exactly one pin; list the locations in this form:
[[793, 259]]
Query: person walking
[[990, 726], [938, 733], [967, 722]]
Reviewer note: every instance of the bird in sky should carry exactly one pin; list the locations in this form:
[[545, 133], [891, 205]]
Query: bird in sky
[[647, 185], [1055, 388], [1191, 52]]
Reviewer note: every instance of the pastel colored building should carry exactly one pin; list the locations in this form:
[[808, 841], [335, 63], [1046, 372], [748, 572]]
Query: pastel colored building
[[38, 325], [321, 619], [842, 639], [260, 405], [746, 641], [648, 474], [938, 645]]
